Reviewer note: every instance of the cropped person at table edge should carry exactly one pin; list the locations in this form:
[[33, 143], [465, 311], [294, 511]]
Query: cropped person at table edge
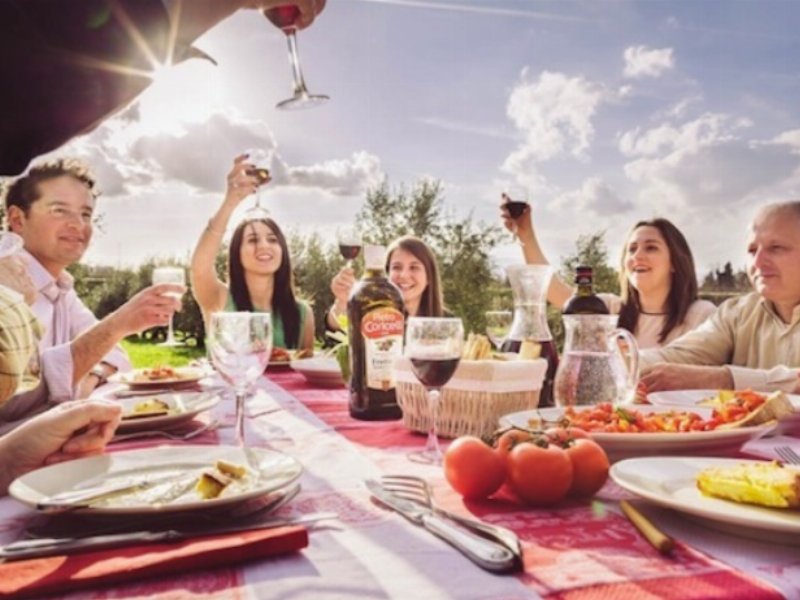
[[51, 207], [412, 267], [259, 267], [752, 341], [659, 293]]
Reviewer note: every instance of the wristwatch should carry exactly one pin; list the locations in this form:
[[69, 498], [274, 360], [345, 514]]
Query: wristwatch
[[99, 372]]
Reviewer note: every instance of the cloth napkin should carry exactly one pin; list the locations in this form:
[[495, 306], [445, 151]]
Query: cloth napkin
[[36, 577]]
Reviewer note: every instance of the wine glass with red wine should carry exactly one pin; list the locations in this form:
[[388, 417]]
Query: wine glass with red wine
[[284, 18], [349, 245], [515, 200], [434, 345], [257, 162]]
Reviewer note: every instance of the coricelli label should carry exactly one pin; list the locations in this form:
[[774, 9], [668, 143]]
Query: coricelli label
[[382, 329]]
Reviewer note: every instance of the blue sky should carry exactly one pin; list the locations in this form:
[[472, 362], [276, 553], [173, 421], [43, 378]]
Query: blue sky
[[609, 112]]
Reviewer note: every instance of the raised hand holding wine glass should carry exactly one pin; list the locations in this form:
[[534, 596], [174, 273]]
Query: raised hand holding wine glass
[[256, 169], [285, 17], [515, 201], [175, 275], [240, 344], [349, 245], [434, 345]]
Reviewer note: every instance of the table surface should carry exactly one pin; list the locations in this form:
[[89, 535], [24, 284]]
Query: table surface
[[578, 550]]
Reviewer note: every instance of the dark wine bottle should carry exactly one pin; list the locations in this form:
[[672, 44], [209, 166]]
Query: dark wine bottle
[[375, 330], [584, 301]]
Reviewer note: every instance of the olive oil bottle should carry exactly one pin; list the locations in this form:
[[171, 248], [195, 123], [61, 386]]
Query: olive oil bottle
[[584, 301], [376, 323]]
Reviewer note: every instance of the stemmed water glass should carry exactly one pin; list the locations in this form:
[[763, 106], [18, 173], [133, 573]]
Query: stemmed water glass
[[284, 18], [258, 160], [515, 200], [433, 344], [498, 324], [240, 344], [177, 276], [349, 245]]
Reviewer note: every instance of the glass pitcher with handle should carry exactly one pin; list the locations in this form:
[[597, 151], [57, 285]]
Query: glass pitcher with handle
[[593, 366]]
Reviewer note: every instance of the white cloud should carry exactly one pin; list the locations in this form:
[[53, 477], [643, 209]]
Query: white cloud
[[641, 61], [594, 196], [789, 138], [340, 177], [554, 115]]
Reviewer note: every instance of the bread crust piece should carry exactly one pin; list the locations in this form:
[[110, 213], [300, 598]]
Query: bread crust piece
[[764, 484], [776, 407]]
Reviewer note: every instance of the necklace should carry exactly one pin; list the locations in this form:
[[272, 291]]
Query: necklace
[[659, 314]]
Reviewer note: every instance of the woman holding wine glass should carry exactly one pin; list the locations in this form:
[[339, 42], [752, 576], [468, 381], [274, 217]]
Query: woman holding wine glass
[[259, 268], [659, 295], [412, 267]]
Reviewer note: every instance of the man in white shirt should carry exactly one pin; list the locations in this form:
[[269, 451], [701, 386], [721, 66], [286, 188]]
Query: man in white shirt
[[752, 341], [51, 208]]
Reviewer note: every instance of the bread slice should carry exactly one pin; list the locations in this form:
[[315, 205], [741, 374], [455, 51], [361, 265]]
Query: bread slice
[[776, 407], [764, 484]]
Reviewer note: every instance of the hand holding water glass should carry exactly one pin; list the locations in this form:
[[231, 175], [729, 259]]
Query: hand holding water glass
[[240, 344], [434, 346], [177, 276]]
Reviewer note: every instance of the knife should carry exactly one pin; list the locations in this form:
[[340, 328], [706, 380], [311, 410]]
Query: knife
[[41, 547], [485, 553]]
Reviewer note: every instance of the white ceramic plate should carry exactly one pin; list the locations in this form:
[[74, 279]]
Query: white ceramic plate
[[619, 445], [670, 481], [176, 466], [137, 379], [321, 371], [182, 407]]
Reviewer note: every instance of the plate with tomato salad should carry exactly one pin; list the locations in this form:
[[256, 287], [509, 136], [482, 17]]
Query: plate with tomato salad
[[642, 430]]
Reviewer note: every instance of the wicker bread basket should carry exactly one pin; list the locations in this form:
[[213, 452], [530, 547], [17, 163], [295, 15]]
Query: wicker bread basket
[[480, 392]]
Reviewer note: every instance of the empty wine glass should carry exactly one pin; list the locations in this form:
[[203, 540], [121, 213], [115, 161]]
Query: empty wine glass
[[349, 245], [433, 344], [498, 324], [240, 344], [257, 162], [170, 275], [515, 199], [284, 18]]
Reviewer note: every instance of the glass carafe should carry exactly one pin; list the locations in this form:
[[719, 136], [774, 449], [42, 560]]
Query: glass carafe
[[529, 284], [593, 367]]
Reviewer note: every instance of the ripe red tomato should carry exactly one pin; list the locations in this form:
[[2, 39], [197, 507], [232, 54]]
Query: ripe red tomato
[[506, 442], [562, 436], [539, 475], [474, 469], [589, 467]]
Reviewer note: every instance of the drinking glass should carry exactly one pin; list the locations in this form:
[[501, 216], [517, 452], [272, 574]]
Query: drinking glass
[[516, 201], [240, 344], [284, 17], [433, 344], [258, 160], [170, 275], [498, 324], [349, 245]]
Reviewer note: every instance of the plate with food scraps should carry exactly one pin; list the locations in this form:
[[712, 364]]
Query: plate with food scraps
[[671, 481], [159, 480], [627, 444], [157, 377], [164, 411]]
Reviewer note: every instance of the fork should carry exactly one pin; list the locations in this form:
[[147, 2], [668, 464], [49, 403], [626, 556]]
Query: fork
[[419, 490], [788, 455], [180, 437]]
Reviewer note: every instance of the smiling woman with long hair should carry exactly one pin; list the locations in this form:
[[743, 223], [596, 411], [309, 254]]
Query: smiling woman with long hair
[[659, 300], [259, 268]]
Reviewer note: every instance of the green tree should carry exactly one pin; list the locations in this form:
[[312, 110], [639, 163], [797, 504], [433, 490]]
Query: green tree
[[461, 245], [314, 265]]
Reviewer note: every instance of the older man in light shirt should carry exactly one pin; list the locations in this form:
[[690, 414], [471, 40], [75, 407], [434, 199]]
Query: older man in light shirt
[[752, 341], [51, 208]]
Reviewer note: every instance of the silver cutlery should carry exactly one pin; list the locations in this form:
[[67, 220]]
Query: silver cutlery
[[419, 490], [40, 547], [788, 455], [170, 435], [484, 552]]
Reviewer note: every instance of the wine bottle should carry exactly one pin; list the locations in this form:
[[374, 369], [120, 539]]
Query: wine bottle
[[376, 324], [584, 301]]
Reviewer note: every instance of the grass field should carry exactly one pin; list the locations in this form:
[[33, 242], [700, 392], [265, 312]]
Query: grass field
[[146, 353]]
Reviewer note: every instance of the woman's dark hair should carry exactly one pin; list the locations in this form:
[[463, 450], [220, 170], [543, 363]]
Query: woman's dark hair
[[683, 284], [431, 304], [284, 303]]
